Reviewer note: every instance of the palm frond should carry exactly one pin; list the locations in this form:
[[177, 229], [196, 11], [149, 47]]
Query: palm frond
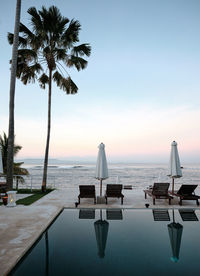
[[78, 62], [33, 40], [43, 80], [66, 84], [22, 41], [29, 73], [83, 49], [70, 36], [36, 20], [16, 149], [28, 54], [60, 53], [26, 32]]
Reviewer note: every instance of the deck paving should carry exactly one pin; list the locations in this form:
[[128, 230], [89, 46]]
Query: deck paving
[[21, 226]]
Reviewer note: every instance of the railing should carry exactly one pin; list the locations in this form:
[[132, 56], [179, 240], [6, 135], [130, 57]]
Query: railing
[[73, 180]]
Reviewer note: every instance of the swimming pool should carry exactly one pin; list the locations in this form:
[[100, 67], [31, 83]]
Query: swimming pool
[[117, 242]]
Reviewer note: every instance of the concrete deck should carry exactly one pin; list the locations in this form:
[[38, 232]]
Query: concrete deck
[[21, 226]]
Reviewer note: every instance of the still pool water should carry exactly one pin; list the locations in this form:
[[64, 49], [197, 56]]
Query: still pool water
[[125, 242]]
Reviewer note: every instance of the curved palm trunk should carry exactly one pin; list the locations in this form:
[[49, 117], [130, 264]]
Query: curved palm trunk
[[12, 99], [44, 181]]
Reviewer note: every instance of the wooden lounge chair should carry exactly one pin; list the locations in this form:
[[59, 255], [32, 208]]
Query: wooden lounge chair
[[87, 191], [114, 190], [3, 188], [159, 190], [186, 192]]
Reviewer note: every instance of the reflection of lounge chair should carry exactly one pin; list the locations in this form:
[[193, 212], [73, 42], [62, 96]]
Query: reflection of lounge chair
[[159, 190], [188, 215], [114, 214], [87, 214], [186, 192], [87, 191], [161, 215], [114, 190]]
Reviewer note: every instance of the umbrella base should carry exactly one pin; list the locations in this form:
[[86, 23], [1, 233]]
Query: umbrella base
[[101, 200]]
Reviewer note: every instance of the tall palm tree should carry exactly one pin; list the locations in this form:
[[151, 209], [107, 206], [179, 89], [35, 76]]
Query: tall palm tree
[[12, 98], [17, 170], [45, 53]]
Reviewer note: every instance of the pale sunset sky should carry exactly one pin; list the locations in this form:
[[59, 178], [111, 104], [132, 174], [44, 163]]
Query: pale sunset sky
[[140, 91]]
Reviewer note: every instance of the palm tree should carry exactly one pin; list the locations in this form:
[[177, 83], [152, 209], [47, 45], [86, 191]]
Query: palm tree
[[45, 53], [12, 98], [17, 170]]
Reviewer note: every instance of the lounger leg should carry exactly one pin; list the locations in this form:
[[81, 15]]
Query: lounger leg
[[106, 201], [94, 200], [79, 200], [121, 200], [145, 195], [180, 202], [197, 202], [169, 201], [154, 201]]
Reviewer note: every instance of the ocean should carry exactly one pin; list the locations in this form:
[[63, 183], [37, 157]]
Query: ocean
[[138, 175]]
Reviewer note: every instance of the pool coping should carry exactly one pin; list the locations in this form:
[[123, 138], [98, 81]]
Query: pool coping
[[32, 242]]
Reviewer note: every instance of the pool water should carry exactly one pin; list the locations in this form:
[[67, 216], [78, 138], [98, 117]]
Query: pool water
[[117, 242]]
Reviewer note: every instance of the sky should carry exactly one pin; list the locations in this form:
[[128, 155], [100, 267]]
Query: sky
[[139, 92]]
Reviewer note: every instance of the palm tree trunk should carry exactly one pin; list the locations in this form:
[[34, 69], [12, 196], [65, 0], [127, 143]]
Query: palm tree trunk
[[12, 98], [44, 181]]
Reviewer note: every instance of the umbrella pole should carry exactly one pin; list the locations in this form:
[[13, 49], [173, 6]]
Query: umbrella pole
[[172, 185], [100, 187], [173, 215]]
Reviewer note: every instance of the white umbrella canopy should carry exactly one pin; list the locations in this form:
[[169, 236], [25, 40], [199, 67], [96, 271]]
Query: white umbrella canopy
[[101, 166], [174, 164], [1, 164]]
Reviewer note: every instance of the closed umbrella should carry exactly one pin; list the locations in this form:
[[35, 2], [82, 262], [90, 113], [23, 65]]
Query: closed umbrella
[[1, 164], [175, 233], [101, 232], [101, 166], [174, 164]]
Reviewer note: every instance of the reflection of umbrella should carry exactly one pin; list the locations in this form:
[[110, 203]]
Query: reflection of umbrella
[[1, 164], [175, 233], [101, 166], [101, 231], [174, 164]]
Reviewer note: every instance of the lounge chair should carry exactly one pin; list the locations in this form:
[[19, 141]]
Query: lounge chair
[[3, 188], [114, 190], [87, 191], [186, 192], [159, 190]]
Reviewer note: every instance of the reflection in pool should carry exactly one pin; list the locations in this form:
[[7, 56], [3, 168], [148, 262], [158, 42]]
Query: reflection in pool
[[117, 242]]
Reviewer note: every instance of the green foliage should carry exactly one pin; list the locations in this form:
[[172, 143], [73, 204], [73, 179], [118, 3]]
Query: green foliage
[[50, 44], [17, 170]]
